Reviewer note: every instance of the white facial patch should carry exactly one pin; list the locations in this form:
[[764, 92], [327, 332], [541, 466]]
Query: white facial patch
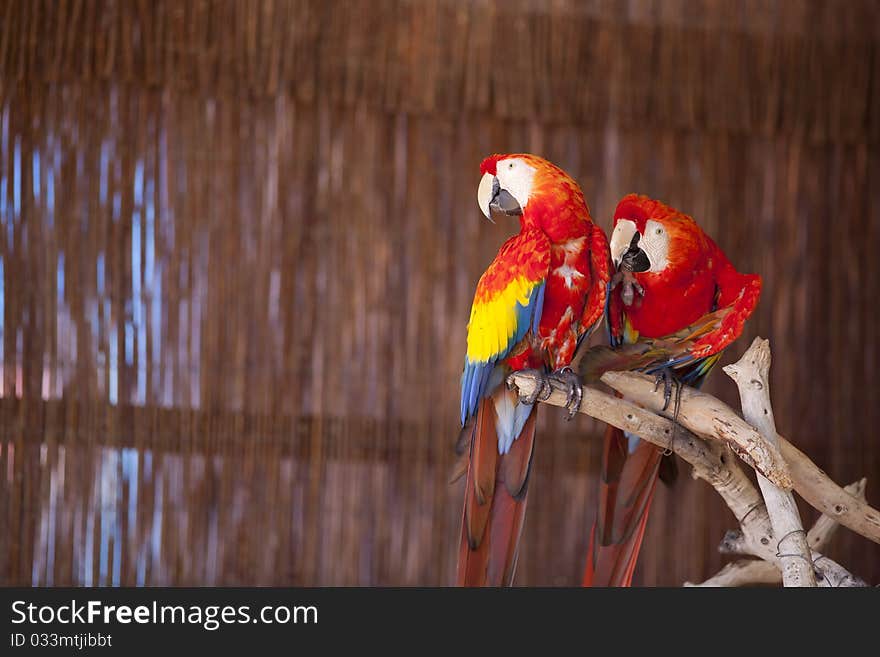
[[516, 177], [655, 243], [621, 238]]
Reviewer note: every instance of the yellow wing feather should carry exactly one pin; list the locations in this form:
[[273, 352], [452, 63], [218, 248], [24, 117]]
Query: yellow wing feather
[[494, 320]]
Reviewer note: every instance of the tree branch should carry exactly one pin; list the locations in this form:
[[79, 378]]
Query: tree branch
[[809, 481], [746, 572], [823, 494], [712, 460], [751, 375], [710, 417]]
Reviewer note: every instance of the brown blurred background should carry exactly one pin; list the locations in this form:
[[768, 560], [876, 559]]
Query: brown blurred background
[[239, 243]]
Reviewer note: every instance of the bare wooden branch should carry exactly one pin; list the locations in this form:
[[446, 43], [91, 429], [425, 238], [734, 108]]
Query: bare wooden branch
[[825, 526], [708, 416], [809, 481], [747, 572], [751, 373], [755, 537], [711, 461], [818, 489]]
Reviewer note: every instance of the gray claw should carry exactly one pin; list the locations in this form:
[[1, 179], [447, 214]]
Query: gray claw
[[574, 401], [542, 390], [546, 389], [574, 390], [665, 375]]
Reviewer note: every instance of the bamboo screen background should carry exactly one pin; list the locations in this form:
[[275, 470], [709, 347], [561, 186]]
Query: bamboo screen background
[[239, 243]]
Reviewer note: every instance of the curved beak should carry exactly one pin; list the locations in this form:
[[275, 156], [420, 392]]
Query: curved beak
[[493, 199], [634, 259]]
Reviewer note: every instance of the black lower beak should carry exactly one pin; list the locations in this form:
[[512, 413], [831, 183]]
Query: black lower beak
[[635, 260], [503, 202]]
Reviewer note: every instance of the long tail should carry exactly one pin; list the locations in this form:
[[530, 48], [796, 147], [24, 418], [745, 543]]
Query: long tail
[[494, 500], [625, 493]]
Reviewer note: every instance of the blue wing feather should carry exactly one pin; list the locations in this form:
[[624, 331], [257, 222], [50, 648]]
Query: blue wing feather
[[691, 371], [476, 375], [539, 308]]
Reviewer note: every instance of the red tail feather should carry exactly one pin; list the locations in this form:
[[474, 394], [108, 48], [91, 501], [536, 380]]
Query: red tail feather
[[626, 490], [495, 502]]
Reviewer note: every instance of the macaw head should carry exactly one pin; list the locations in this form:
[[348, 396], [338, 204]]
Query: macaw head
[[529, 187], [652, 238]]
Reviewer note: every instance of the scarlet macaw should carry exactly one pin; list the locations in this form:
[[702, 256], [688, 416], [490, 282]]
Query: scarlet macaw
[[543, 294], [670, 274]]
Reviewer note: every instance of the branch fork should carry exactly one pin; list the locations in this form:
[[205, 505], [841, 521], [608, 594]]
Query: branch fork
[[708, 435]]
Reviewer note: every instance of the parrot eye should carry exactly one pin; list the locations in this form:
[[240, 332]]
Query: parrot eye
[[510, 166], [659, 231]]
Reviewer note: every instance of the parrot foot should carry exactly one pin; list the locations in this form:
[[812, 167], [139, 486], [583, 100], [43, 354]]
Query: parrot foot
[[631, 286], [542, 390], [667, 377], [574, 389]]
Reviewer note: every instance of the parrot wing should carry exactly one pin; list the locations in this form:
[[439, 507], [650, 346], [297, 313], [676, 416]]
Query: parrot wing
[[647, 354], [738, 295], [597, 296], [508, 303], [499, 432]]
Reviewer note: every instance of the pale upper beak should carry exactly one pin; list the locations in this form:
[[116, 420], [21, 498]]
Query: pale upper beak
[[493, 199]]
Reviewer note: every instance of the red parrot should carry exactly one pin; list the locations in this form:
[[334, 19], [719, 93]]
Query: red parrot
[[541, 296], [670, 274]]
